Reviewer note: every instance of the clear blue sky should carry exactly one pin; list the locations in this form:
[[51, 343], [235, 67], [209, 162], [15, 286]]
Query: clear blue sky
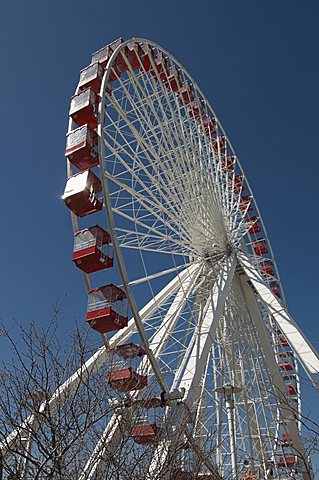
[[257, 62]]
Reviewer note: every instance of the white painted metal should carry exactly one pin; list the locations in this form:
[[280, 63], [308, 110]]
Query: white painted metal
[[193, 377], [302, 347], [194, 371], [281, 391]]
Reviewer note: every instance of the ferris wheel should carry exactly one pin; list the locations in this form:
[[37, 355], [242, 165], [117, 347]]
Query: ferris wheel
[[203, 371]]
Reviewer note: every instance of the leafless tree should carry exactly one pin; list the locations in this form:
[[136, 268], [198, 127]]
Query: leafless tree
[[55, 439]]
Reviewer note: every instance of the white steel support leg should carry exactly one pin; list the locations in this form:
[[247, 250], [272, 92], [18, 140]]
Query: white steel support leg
[[196, 364], [96, 466], [97, 360], [280, 389], [229, 401], [304, 351], [163, 334], [195, 368]]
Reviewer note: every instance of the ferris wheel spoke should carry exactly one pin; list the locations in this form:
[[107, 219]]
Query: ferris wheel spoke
[[159, 274], [173, 166], [176, 138], [143, 240], [205, 335], [136, 175], [169, 220], [166, 330], [146, 226]]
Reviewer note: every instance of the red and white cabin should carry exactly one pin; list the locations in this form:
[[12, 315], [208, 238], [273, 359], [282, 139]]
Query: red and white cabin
[[186, 93], [180, 474], [91, 77], [146, 60], [219, 145], [92, 250], [162, 67], [135, 52], [174, 79], [83, 108], [148, 403], [107, 309], [245, 203], [128, 351], [287, 366], [209, 127], [260, 248], [267, 271], [255, 228], [238, 183], [283, 342], [80, 194], [126, 380], [285, 440], [228, 166], [82, 147], [287, 461], [197, 109], [103, 54], [144, 434]]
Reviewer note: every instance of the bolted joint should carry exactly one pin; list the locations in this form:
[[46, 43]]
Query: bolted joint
[[170, 398]]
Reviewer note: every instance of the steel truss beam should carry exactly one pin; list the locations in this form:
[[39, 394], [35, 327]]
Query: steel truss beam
[[304, 351], [280, 389], [193, 376]]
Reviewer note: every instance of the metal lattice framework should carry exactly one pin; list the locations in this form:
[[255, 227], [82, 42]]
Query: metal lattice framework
[[221, 350]]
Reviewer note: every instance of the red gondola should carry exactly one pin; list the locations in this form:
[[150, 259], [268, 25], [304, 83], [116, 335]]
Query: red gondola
[[83, 109], [180, 474], [266, 271], [126, 380], [186, 93], [238, 183], [80, 194], [128, 350], [287, 366], [91, 77], [255, 228], [92, 250], [162, 67], [146, 60], [209, 127], [136, 52], [144, 434], [219, 145], [196, 109], [259, 247], [228, 166], [107, 309], [103, 54], [174, 79], [82, 147], [289, 461], [245, 203]]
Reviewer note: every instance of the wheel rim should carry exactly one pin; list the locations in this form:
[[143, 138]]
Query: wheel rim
[[161, 177]]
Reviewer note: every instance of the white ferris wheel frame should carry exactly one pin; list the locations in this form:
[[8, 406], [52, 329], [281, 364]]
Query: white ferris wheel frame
[[192, 370]]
